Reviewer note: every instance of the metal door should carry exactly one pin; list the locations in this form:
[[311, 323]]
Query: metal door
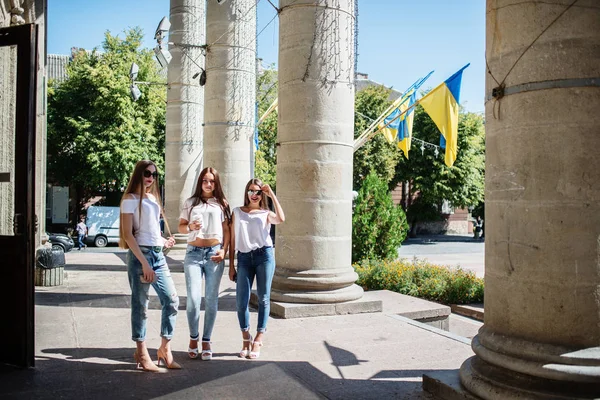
[[17, 205]]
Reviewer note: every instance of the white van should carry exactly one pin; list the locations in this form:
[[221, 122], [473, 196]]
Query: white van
[[103, 225]]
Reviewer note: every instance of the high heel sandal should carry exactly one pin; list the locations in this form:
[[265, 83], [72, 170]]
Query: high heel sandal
[[193, 353], [162, 359], [206, 354], [255, 354], [146, 365], [244, 353]]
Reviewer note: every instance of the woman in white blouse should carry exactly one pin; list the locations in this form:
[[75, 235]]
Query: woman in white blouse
[[205, 218], [251, 238], [146, 264]]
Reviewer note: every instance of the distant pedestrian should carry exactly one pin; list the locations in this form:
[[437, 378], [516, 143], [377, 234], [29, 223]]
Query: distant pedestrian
[[250, 236], [82, 232], [478, 227], [146, 265], [205, 218]]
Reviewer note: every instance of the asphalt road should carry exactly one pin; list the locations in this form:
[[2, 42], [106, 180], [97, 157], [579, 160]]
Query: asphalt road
[[467, 255]]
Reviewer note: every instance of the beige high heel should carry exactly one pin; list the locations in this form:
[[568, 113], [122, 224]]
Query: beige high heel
[[162, 360], [144, 364]]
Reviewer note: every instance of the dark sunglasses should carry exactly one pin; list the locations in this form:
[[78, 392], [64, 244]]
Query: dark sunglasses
[[148, 174], [254, 192]]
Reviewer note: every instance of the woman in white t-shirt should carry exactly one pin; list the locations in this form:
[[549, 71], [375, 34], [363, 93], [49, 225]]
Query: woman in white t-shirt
[[205, 218], [251, 238], [146, 264]]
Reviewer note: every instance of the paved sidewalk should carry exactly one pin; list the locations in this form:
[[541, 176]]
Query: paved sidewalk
[[84, 351]]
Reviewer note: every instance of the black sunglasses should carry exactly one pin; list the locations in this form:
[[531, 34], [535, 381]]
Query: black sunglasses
[[148, 174], [254, 192]]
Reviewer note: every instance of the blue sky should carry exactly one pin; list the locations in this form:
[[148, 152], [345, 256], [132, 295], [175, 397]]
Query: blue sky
[[399, 40]]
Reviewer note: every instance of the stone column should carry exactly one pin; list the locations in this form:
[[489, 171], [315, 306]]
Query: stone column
[[185, 105], [314, 161], [230, 93], [541, 337]]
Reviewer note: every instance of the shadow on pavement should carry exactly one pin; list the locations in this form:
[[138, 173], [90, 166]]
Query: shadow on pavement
[[89, 373], [108, 300]]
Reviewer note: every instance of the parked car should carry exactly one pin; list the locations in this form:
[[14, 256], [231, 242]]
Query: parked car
[[61, 241]]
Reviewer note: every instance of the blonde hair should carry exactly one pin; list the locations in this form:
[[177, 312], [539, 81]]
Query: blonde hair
[[136, 186]]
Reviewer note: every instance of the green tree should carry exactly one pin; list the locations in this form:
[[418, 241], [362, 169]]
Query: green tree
[[266, 155], [431, 180], [378, 226], [96, 132], [377, 154]]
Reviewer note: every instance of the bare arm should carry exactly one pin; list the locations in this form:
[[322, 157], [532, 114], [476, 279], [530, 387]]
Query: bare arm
[[127, 227], [278, 216], [232, 272]]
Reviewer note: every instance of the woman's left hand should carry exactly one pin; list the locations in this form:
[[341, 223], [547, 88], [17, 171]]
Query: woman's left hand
[[220, 256], [170, 242], [267, 190]]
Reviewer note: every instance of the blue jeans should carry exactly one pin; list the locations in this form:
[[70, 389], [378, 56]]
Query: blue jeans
[[197, 264], [164, 287], [259, 263], [80, 243]]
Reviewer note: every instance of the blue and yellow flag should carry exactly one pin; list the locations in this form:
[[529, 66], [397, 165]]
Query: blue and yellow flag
[[442, 106], [406, 124], [400, 121]]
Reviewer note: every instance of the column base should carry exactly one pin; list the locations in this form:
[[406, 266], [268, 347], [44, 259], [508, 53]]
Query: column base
[[348, 293], [487, 381]]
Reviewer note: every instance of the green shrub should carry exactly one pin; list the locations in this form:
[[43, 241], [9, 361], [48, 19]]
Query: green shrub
[[421, 279], [378, 226]]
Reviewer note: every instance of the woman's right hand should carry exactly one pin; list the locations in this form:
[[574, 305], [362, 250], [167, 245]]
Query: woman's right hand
[[148, 273], [195, 225]]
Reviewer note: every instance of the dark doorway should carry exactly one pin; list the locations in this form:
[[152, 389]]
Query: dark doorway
[[17, 215]]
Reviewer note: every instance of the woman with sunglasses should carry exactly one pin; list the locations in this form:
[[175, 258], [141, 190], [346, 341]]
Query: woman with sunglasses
[[205, 218], [251, 238], [146, 265]]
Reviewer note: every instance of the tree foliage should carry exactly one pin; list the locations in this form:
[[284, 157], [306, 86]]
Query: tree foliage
[[431, 180], [377, 154], [96, 132], [266, 155], [378, 226]]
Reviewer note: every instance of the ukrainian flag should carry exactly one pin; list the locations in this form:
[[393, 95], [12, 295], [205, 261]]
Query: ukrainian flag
[[406, 125], [442, 106]]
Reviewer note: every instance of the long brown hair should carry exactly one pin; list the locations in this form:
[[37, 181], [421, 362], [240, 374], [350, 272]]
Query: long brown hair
[[217, 193], [263, 203], [136, 186]]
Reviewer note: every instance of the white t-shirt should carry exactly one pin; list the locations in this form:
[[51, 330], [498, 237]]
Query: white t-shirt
[[252, 230], [147, 228], [209, 214]]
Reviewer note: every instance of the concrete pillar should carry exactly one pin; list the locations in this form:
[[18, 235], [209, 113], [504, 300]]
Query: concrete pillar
[[185, 105], [314, 160], [12, 13], [230, 93], [541, 337]]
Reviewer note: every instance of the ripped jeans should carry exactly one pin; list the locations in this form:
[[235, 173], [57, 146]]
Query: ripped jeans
[[259, 263], [164, 287]]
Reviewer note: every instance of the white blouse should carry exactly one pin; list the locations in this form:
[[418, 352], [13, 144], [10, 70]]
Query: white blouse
[[146, 229], [209, 214], [252, 230]]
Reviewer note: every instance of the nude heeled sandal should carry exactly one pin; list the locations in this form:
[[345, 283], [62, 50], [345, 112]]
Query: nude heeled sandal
[[147, 365], [162, 360]]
